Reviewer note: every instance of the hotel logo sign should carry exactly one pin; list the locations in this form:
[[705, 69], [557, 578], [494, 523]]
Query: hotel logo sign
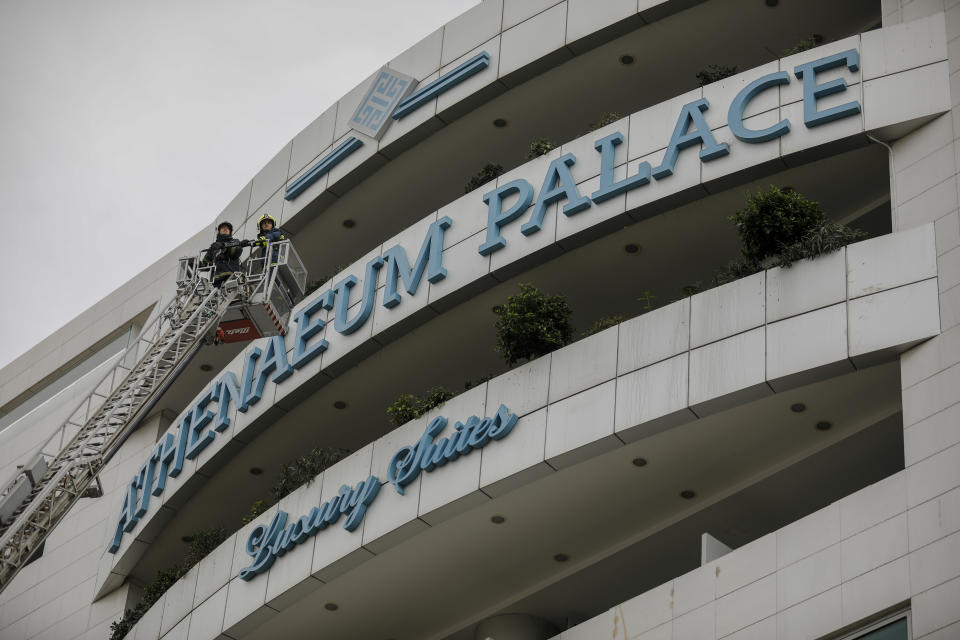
[[386, 91]]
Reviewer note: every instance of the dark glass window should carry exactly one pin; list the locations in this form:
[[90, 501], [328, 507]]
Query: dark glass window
[[896, 630]]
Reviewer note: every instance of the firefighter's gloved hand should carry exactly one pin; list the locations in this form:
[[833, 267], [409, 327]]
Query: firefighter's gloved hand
[[217, 245], [245, 243]]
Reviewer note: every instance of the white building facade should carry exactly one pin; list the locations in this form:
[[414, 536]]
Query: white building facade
[[777, 457]]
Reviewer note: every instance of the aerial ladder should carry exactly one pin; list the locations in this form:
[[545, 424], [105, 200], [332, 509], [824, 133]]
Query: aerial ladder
[[259, 297]]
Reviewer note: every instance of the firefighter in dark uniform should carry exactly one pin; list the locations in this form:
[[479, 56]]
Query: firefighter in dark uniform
[[268, 231], [224, 254]]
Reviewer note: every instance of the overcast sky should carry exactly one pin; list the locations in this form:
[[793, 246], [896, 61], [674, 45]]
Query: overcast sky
[[127, 125]]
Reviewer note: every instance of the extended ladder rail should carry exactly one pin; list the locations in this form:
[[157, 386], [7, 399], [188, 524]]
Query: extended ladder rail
[[76, 466], [110, 381], [86, 441]]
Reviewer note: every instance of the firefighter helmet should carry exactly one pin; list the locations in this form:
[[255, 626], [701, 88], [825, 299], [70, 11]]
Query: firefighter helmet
[[225, 224], [264, 218]]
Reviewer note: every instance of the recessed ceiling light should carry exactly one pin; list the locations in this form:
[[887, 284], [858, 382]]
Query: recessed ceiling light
[[639, 462], [687, 494], [206, 367], [339, 404], [798, 407], [631, 248], [561, 557], [626, 59], [255, 471], [348, 224], [499, 123], [823, 425], [497, 519], [331, 606]]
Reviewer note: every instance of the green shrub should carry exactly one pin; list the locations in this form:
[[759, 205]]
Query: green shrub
[[601, 324], [780, 226], [121, 627], [540, 147], [256, 510], [165, 579], [774, 219], [404, 409], [810, 42], [826, 238], [715, 73], [531, 324], [490, 171], [736, 269], [408, 406], [304, 469], [647, 299], [608, 117], [434, 397], [201, 544]]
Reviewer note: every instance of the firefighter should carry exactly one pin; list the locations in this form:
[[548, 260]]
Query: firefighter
[[224, 254], [268, 231]]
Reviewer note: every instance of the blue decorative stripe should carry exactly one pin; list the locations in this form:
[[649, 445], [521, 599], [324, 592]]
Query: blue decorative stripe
[[445, 82], [327, 163]]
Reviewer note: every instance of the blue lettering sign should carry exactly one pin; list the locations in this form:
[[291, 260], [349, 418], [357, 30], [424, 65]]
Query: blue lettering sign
[[608, 187], [199, 425], [201, 418], [265, 543], [691, 115], [496, 217], [307, 327], [558, 185], [342, 291], [426, 455], [739, 105], [813, 91], [429, 260]]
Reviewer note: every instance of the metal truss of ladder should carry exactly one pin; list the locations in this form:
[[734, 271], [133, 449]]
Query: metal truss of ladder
[[85, 442]]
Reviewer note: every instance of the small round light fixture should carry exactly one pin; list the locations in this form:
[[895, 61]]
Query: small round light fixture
[[639, 462], [348, 224], [823, 425], [339, 404], [497, 519], [206, 367], [187, 539], [626, 59], [331, 606], [255, 471], [687, 494], [798, 407], [499, 123], [631, 248], [561, 557]]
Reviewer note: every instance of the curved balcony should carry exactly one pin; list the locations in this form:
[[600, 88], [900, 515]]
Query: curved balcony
[[700, 389]]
